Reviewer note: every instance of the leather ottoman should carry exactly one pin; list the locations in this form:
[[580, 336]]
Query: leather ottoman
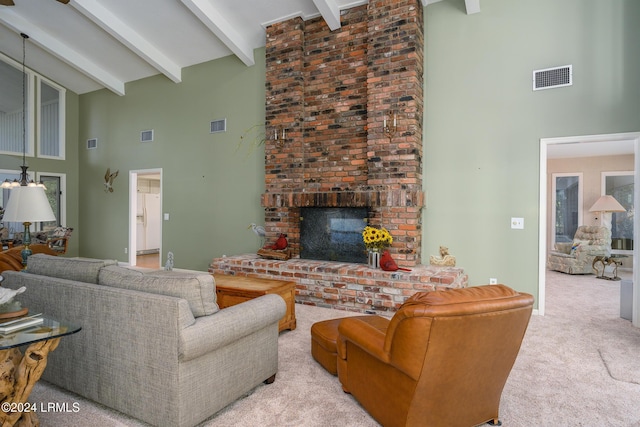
[[323, 341]]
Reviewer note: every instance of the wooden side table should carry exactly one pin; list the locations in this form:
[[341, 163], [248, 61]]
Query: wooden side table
[[232, 290], [19, 373]]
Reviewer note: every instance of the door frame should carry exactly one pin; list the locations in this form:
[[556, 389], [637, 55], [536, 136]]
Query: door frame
[[133, 208], [542, 221]]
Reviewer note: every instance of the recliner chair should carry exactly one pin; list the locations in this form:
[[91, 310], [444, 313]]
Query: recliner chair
[[442, 360], [577, 257]]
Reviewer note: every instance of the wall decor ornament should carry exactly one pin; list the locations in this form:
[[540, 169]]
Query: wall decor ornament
[[108, 180]]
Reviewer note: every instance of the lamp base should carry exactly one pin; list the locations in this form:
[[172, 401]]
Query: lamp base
[[26, 251]]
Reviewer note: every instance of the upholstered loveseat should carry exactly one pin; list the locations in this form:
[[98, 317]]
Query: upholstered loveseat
[[153, 345], [577, 257]]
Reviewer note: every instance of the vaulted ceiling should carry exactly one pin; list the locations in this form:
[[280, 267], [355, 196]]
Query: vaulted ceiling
[[87, 45]]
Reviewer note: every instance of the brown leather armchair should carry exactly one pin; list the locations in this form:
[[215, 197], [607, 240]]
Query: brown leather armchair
[[442, 360], [11, 259]]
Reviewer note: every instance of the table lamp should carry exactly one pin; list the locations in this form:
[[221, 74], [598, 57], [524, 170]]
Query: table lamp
[[27, 204], [607, 204]]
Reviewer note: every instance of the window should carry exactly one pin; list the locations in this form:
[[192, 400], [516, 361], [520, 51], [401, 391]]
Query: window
[[11, 108], [620, 185], [12, 227], [49, 116], [50, 120], [55, 184], [567, 202]]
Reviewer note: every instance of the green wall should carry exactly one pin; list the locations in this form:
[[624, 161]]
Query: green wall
[[211, 182], [483, 125], [483, 122]]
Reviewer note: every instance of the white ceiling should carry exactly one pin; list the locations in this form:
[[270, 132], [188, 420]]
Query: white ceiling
[[93, 44]]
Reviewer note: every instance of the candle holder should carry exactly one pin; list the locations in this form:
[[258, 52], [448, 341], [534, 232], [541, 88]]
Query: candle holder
[[389, 129], [279, 136]]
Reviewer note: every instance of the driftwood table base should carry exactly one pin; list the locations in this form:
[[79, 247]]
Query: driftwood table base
[[18, 374]]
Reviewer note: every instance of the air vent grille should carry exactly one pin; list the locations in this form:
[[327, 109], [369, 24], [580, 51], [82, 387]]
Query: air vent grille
[[92, 143], [551, 78], [146, 135], [218, 126]]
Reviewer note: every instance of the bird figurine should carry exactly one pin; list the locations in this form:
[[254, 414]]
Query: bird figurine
[[7, 295], [280, 244], [388, 264], [168, 266], [108, 180], [259, 230]]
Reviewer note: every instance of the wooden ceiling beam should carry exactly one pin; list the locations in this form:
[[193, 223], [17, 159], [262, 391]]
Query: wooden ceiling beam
[[61, 51], [218, 25], [126, 35], [330, 12]]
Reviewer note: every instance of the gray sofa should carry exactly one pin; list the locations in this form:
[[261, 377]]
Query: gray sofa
[[153, 345]]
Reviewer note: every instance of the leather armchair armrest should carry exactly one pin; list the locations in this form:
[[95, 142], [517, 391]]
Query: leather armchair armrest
[[364, 335]]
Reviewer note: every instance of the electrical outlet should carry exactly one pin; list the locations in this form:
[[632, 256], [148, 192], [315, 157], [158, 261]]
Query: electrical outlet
[[493, 281], [126, 250], [517, 223]]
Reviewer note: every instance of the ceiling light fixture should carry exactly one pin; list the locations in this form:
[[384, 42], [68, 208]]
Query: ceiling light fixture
[[28, 202]]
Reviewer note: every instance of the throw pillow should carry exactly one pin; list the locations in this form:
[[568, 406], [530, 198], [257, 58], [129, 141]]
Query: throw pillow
[[577, 243]]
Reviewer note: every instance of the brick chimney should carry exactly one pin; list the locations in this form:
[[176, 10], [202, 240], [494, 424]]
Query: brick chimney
[[328, 94]]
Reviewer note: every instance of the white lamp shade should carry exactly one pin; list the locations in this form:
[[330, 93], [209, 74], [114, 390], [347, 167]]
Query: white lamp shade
[[28, 204], [607, 204]]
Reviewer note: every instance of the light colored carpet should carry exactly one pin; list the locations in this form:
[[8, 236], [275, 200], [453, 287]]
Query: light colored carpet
[[579, 366]]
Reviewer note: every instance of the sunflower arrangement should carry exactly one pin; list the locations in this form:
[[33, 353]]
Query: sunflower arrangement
[[375, 238]]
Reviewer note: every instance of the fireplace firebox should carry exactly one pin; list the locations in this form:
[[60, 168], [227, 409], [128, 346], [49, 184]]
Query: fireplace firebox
[[333, 234]]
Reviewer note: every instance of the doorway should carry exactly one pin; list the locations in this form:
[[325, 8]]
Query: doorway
[[145, 218], [607, 143]]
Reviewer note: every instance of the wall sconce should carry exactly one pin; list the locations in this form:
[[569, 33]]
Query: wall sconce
[[390, 128], [279, 136]]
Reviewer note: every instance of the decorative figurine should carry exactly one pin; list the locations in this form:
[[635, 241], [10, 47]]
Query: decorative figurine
[[259, 230], [444, 260], [108, 180], [280, 244], [168, 266], [388, 264]]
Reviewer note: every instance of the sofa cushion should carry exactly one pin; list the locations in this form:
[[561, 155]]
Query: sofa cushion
[[197, 288], [78, 269]]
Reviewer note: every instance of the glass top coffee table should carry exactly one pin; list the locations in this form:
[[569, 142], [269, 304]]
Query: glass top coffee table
[[20, 372]]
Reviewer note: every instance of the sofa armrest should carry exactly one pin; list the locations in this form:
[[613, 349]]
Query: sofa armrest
[[364, 335], [217, 330]]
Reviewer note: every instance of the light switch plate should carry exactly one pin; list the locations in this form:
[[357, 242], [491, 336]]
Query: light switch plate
[[517, 223]]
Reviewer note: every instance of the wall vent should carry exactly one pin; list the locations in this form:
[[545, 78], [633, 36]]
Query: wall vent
[[146, 135], [218, 126], [551, 78], [92, 143]]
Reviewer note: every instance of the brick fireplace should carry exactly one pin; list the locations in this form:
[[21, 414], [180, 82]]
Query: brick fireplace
[[328, 96], [331, 91]]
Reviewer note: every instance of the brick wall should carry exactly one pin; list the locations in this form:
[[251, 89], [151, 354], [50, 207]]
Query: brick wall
[[331, 91], [344, 286]]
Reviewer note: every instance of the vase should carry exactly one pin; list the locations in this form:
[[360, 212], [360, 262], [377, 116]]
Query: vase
[[373, 258]]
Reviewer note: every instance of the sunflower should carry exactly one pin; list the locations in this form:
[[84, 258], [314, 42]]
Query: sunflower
[[375, 238]]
